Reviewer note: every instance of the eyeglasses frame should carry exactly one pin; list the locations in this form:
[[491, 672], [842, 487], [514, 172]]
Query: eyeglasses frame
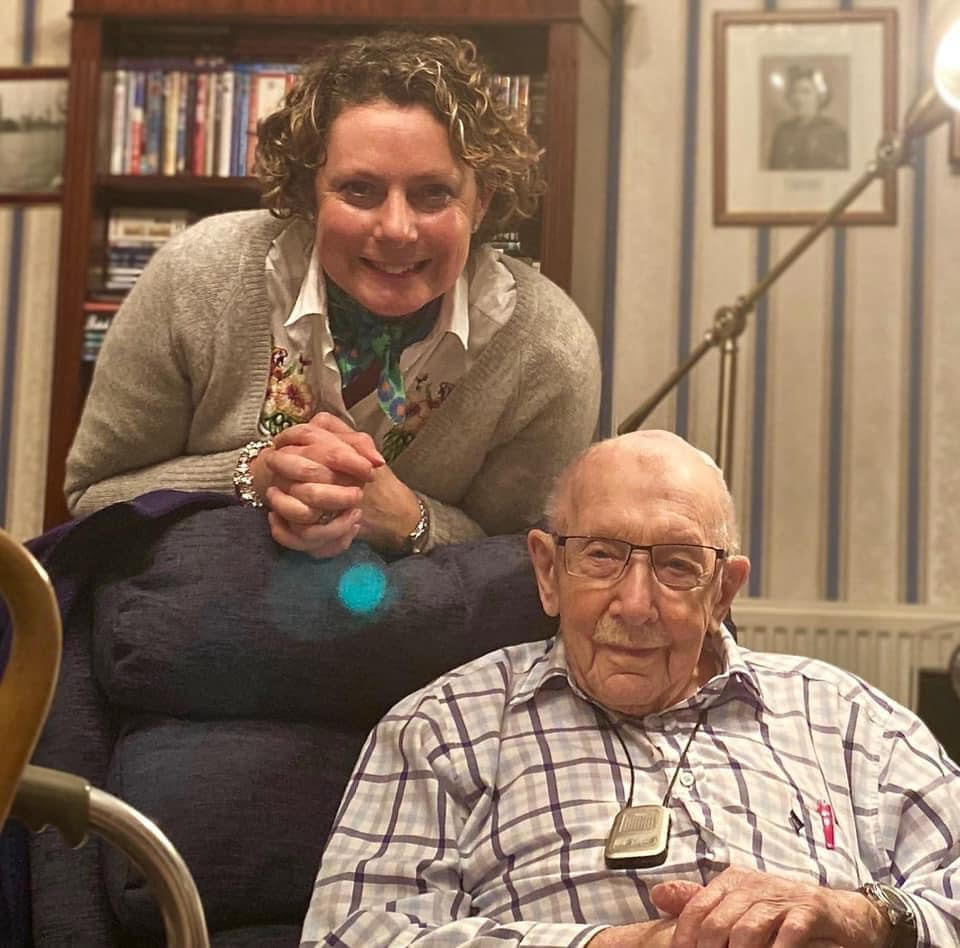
[[561, 541]]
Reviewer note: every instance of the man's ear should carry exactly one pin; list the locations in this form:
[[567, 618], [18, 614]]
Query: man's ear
[[542, 549], [736, 569]]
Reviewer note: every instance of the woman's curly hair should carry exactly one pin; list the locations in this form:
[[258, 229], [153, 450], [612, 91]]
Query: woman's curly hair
[[442, 73]]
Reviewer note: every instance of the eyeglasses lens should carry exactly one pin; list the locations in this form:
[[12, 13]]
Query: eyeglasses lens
[[679, 566]]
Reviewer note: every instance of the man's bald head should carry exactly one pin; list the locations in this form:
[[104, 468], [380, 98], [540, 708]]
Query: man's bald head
[[655, 450]]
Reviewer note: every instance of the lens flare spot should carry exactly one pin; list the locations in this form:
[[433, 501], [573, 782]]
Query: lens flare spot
[[362, 587]]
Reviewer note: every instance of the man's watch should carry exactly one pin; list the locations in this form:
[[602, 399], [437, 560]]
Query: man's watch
[[898, 911], [416, 539]]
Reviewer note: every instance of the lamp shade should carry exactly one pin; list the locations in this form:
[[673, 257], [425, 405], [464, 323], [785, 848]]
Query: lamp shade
[[946, 66]]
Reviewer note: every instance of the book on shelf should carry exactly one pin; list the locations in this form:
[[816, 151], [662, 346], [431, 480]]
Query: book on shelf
[[118, 126], [227, 84], [511, 243], [152, 123], [190, 116], [171, 105], [97, 318], [133, 236], [514, 93], [268, 85], [146, 224], [537, 107], [200, 116]]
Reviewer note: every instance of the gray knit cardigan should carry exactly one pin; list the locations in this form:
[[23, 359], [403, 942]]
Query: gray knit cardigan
[[181, 378]]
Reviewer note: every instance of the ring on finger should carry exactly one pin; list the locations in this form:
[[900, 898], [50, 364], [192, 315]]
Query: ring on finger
[[326, 516]]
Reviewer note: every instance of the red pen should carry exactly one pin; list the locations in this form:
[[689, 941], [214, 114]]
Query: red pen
[[826, 818]]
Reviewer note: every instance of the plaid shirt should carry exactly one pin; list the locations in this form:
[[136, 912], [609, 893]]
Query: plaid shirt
[[480, 805]]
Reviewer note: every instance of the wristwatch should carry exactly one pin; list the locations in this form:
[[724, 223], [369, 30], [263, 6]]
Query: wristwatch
[[897, 910], [416, 539]]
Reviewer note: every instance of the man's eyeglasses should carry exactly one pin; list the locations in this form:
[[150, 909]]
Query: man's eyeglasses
[[676, 565]]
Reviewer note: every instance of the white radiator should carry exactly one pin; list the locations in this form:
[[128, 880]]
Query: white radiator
[[885, 646]]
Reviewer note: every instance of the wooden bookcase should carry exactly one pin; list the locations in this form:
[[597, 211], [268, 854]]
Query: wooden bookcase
[[567, 40]]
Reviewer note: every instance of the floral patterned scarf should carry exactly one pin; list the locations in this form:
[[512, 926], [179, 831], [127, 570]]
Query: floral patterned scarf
[[361, 338]]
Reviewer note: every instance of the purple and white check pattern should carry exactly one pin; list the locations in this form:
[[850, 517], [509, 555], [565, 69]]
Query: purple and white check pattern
[[480, 805]]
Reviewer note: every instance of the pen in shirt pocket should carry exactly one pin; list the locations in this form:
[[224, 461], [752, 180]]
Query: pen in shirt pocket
[[824, 811], [826, 821]]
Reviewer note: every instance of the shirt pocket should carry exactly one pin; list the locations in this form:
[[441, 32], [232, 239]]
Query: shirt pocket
[[780, 833]]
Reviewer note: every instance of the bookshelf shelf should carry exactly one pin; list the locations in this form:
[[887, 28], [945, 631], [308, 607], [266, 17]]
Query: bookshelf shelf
[[205, 194], [567, 41]]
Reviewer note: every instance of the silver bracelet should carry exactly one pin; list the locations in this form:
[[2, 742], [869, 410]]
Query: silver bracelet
[[243, 477], [416, 539]]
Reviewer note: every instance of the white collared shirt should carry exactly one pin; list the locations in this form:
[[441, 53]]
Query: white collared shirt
[[481, 804], [305, 377]]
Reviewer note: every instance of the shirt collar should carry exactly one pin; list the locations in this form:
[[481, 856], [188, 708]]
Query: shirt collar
[[312, 298], [737, 678], [454, 315]]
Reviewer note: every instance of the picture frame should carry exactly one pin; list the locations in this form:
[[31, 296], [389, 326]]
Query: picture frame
[[801, 101], [953, 142], [33, 120]]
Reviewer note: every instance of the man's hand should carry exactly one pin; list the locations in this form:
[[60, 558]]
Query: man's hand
[[655, 934], [742, 908]]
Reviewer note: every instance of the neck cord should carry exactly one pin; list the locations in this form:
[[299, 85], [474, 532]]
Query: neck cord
[[676, 770]]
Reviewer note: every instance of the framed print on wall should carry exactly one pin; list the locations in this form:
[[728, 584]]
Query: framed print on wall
[[801, 101], [33, 120]]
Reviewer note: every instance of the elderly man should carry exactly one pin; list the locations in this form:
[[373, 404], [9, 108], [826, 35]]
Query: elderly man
[[642, 780]]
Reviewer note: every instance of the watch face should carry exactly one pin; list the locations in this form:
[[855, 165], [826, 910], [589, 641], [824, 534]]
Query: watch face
[[894, 905]]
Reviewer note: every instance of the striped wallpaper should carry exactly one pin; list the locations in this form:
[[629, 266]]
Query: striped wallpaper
[[36, 33], [846, 464], [847, 456]]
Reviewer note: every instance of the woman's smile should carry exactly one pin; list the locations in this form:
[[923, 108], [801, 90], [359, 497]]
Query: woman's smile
[[395, 269]]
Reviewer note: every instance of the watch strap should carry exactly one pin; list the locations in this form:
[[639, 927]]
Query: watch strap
[[897, 909]]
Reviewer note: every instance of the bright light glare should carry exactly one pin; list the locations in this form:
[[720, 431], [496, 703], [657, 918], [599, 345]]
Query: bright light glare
[[362, 588], [946, 66]]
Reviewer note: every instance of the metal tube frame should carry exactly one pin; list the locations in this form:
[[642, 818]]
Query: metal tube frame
[[166, 872]]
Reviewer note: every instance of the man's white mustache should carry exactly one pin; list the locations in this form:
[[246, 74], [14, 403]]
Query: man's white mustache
[[610, 632]]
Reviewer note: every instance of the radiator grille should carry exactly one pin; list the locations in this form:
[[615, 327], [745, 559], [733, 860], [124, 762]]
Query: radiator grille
[[887, 648]]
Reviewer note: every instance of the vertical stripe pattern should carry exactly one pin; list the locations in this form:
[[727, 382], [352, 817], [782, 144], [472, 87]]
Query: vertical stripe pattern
[[758, 445], [613, 222], [15, 267], [684, 304], [915, 395], [834, 540]]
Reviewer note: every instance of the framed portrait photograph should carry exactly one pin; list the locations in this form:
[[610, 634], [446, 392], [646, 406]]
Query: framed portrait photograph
[[801, 101], [33, 121]]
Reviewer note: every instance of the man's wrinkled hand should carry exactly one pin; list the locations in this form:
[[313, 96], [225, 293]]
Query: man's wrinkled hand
[[743, 908]]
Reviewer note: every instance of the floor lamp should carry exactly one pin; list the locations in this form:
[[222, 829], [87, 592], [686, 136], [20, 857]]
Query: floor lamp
[[928, 111]]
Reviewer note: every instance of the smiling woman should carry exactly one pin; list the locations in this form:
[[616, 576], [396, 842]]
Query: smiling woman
[[358, 360]]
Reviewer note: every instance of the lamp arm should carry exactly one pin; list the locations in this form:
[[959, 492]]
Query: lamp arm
[[730, 321], [873, 171], [640, 414]]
